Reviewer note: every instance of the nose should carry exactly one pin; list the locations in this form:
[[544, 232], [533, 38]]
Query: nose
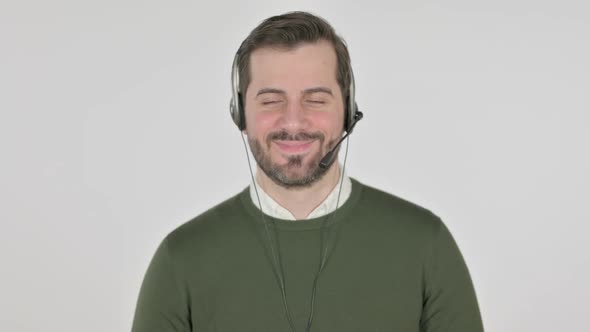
[[294, 118]]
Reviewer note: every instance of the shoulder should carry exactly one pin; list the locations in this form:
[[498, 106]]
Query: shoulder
[[208, 227], [394, 211]]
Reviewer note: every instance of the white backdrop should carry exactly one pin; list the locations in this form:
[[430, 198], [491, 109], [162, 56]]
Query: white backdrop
[[114, 130]]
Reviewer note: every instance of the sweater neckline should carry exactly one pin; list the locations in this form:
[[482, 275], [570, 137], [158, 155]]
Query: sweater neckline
[[308, 224]]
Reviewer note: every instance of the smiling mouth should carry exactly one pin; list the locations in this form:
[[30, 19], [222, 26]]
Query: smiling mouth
[[293, 147]]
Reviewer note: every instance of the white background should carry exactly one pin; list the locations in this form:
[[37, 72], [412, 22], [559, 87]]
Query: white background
[[114, 130]]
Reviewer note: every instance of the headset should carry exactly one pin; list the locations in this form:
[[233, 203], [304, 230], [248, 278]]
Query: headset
[[236, 105]]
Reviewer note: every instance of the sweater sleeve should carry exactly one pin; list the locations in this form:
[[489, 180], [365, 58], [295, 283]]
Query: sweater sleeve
[[162, 305], [449, 300]]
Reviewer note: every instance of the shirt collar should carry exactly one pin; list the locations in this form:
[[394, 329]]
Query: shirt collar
[[273, 209]]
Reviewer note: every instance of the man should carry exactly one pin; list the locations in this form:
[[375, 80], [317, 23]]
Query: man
[[304, 248]]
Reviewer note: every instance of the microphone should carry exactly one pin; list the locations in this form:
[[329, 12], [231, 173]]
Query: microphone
[[329, 157]]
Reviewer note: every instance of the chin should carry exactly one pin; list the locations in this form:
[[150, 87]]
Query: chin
[[296, 172]]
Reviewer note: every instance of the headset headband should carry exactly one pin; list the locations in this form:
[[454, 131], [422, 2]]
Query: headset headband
[[236, 104]]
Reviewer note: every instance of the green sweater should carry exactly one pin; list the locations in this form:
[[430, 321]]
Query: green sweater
[[392, 266]]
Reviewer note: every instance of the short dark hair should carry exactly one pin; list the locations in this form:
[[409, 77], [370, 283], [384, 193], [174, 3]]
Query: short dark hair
[[288, 31]]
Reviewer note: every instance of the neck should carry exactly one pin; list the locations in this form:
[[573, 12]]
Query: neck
[[300, 201]]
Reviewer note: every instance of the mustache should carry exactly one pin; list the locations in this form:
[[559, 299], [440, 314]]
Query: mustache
[[283, 135]]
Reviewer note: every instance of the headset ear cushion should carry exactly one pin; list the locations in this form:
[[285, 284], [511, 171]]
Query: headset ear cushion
[[349, 114], [346, 120], [241, 115]]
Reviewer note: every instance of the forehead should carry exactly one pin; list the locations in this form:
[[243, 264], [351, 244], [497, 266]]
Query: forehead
[[306, 62]]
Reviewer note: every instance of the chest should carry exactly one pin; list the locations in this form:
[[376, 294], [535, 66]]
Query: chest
[[364, 286]]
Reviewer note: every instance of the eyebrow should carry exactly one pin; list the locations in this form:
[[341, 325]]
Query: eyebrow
[[306, 91], [318, 89], [270, 90]]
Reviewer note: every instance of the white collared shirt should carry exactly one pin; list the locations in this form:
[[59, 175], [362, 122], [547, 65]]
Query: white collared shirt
[[273, 209]]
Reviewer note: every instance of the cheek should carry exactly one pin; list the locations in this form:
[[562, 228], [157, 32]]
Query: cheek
[[260, 123], [329, 122]]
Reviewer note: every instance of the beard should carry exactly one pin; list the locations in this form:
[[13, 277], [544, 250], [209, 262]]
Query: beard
[[294, 173]]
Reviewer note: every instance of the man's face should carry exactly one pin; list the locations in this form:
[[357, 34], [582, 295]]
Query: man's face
[[294, 111]]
